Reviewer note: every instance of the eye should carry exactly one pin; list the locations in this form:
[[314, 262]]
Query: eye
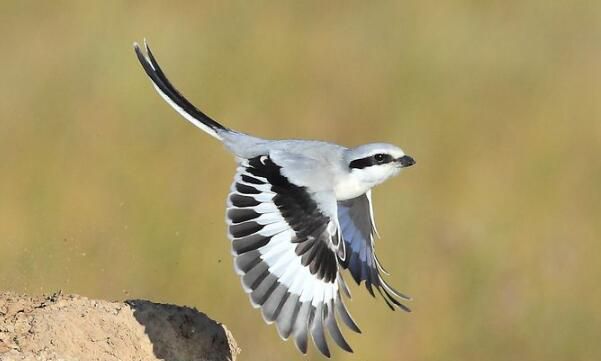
[[380, 158]]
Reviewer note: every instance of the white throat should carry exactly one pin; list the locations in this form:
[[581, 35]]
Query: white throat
[[351, 186], [356, 182]]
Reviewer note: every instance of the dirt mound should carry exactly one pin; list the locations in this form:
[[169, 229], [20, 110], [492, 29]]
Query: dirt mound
[[71, 327]]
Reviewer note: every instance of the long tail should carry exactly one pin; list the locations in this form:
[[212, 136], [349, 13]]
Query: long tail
[[175, 98]]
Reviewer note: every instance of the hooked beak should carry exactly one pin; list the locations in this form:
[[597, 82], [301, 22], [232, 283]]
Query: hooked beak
[[405, 161]]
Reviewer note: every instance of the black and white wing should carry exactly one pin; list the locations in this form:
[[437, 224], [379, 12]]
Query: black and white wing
[[358, 230], [286, 249]]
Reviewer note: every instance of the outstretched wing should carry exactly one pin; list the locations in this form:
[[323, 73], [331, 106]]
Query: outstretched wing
[[358, 229], [285, 248]]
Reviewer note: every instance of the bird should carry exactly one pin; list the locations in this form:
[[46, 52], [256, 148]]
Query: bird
[[298, 214]]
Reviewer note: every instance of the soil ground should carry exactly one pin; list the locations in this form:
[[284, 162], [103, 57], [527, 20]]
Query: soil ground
[[71, 327]]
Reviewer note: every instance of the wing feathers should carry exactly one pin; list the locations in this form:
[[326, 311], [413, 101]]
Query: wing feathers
[[287, 315], [253, 277], [355, 217], [245, 229], [263, 291], [345, 316], [287, 261], [248, 179], [241, 201], [300, 327], [330, 320], [246, 261], [272, 305], [238, 215], [317, 332]]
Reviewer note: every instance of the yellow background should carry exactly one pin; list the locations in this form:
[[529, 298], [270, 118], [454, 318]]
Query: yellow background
[[106, 192]]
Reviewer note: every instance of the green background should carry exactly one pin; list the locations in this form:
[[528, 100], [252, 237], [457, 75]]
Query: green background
[[106, 192]]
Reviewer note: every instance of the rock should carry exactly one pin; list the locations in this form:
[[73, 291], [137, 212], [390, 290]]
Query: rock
[[71, 327]]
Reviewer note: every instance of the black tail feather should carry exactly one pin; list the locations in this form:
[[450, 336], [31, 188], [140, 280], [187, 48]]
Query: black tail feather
[[158, 77]]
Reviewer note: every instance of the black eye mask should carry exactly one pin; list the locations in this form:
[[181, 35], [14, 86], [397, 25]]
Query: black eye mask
[[375, 159]]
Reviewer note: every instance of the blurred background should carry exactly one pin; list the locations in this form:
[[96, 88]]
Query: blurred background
[[106, 192]]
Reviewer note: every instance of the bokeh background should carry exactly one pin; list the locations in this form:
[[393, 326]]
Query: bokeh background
[[107, 192]]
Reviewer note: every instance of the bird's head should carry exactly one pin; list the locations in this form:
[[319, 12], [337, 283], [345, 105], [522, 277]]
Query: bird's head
[[372, 164]]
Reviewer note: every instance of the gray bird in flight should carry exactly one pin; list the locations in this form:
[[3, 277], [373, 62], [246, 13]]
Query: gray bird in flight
[[299, 212]]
